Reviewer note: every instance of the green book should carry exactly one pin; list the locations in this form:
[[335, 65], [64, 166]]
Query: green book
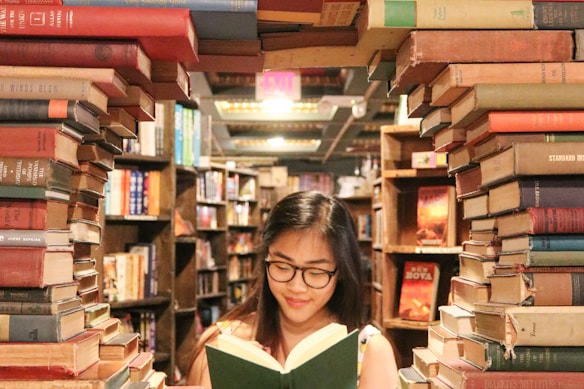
[[327, 359], [490, 355]]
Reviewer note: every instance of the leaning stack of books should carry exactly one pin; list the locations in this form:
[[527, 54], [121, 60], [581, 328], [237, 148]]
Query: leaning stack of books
[[514, 140], [68, 97]]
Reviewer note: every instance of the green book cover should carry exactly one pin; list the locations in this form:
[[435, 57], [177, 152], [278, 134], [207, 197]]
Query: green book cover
[[333, 367]]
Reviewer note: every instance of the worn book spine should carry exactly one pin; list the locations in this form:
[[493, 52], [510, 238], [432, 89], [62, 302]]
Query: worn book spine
[[526, 358], [199, 5], [558, 15], [24, 214], [106, 79], [530, 191], [457, 78], [427, 52], [54, 88], [542, 221], [33, 308], [166, 34], [542, 159], [35, 172], [37, 272], [127, 57], [67, 111], [497, 142], [550, 242], [536, 121], [506, 97], [30, 238], [34, 327]]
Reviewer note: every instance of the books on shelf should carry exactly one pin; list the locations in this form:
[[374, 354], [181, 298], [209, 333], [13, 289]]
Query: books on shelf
[[436, 215], [418, 292], [250, 364]]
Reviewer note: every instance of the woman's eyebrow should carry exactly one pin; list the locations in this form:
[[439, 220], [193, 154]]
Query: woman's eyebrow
[[310, 261]]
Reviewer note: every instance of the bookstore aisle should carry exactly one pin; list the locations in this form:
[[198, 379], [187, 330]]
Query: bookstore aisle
[[91, 290], [505, 105]]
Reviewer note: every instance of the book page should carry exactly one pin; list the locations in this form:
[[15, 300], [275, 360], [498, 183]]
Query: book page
[[314, 344], [246, 350]]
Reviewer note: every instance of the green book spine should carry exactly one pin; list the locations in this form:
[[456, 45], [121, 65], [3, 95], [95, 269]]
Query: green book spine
[[400, 14]]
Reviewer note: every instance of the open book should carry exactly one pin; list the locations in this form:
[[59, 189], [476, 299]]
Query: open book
[[325, 359]]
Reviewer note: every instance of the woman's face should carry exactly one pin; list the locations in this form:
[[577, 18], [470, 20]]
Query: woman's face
[[299, 303]]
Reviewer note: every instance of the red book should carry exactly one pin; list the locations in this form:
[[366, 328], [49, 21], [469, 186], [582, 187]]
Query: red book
[[126, 57], [426, 52], [39, 141], [419, 290], [34, 267], [524, 121], [460, 374], [300, 11], [166, 34], [28, 214], [542, 221]]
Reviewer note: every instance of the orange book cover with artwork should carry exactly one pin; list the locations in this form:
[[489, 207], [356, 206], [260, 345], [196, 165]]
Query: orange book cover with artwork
[[419, 289], [436, 218]]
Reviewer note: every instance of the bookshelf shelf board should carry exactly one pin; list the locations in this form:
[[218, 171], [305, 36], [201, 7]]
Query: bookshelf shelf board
[[148, 302], [211, 230], [398, 323], [407, 249], [377, 286], [243, 226], [415, 173], [137, 158], [239, 280], [211, 269], [211, 203], [185, 311], [210, 296], [137, 218], [377, 205], [377, 247], [186, 240], [186, 170]]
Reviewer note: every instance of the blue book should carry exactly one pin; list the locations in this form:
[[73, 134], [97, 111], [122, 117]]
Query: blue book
[[543, 242], [178, 140]]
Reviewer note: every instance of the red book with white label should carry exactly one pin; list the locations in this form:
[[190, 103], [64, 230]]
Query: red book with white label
[[166, 34], [419, 290]]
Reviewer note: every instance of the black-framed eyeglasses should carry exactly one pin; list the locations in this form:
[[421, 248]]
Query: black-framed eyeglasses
[[314, 277]]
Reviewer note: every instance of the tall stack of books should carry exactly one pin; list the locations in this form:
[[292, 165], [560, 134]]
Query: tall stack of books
[[69, 96], [514, 135]]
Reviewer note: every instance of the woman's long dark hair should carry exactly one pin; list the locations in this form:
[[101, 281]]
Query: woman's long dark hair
[[313, 212]]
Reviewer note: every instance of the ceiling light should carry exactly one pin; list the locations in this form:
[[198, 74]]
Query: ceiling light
[[278, 106], [276, 142]]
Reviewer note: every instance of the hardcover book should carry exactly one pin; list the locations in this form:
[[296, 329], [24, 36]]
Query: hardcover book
[[456, 320], [106, 79], [48, 294], [53, 239], [425, 53], [483, 98], [43, 267], [458, 78], [543, 258], [542, 221], [419, 291], [544, 242], [126, 56], [308, 365], [533, 158], [37, 328], [533, 191], [123, 347], [69, 112], [513, 325], [46, 88], [436, 215], [39, 141], [461, 374], [69, 358], [166, 34], [35, 172], [25, 214], [466, 293], [32, 308], [489, 355], [538, 288]]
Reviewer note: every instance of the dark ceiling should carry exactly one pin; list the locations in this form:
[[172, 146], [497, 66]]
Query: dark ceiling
[[342, 136]]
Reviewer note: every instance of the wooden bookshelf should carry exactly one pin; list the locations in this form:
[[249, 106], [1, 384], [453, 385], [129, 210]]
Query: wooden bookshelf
[[398, 203], [174, 304]]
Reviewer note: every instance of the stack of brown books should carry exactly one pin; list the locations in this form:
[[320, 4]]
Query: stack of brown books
[[514, 143]]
